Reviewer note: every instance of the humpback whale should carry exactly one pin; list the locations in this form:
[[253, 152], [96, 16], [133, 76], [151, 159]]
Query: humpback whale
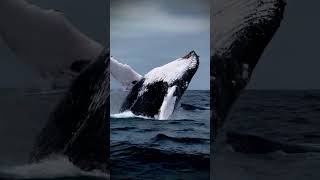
[[240, 32], [157, 93], [78, 126], [236, 49]]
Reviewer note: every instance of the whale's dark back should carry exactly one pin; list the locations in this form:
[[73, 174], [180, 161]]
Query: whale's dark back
[[147, 104], [78, 127]]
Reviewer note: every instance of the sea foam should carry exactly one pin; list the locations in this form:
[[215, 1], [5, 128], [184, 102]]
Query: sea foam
[[56, 166]]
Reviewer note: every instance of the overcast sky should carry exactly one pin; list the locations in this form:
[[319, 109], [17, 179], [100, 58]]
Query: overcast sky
[[149, 33], [291, 61]]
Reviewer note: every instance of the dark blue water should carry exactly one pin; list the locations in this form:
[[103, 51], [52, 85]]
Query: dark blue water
[[283, 116], [177, 148], [291, 116], [140, 148]]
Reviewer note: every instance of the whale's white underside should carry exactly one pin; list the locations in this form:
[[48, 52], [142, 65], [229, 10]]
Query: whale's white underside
[[168, 104]]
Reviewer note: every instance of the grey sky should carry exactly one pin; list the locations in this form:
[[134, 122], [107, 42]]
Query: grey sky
[[147, 34], [291, 61]]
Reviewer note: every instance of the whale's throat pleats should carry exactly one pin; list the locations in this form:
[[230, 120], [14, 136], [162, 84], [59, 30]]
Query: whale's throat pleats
[[169, 103]]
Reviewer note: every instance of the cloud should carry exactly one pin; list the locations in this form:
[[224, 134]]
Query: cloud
[[145, 18]]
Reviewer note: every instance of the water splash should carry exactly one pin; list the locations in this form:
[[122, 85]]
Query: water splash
[[127, 114], [56, 166]]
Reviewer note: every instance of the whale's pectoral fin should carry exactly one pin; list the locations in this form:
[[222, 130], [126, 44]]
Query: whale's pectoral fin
[[169, 103], [124, 73], [45, 39]]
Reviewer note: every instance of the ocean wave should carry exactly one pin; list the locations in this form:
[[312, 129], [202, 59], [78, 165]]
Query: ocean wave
[[309, 96], [51, 168], [182, 121], [143, 154], [123, 129], [130, 115], [254, 144], [126, 115], [188, 140], [189, 107]]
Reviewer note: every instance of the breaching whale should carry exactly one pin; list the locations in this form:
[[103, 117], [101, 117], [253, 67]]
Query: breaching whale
[[240, 32], [237, 47], [78, 126], [157, 93]]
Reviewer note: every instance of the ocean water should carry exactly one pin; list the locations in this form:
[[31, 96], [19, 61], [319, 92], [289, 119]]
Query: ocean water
[[287, 117], [55, 167], [178, 148]]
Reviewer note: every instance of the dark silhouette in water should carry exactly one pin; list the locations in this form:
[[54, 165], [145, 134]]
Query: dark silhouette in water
[[253, 144]]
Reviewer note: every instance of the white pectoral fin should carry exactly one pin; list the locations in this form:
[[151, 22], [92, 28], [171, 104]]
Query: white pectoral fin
[[168, 104], [44, 38], [123, 73]]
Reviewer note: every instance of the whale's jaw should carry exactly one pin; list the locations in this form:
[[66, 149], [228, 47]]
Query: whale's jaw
[[161, 89]]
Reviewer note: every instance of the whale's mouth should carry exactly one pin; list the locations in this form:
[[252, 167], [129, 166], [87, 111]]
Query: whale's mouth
[[191, 60], [191, 54]]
